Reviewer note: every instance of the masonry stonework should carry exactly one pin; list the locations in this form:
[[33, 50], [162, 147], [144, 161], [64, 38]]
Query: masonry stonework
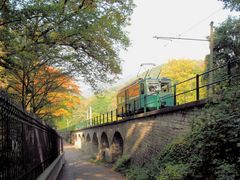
[[141, 137]]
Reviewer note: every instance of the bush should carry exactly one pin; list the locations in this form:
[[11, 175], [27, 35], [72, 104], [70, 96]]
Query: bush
[[226, 171], [173, 172], [122, 164], [211, 149], [137, 173]]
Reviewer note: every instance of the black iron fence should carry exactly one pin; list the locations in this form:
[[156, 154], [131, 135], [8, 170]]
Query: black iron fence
[[27, 145], [193, 89]]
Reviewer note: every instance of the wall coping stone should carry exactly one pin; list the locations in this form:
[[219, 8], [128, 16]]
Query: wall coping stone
[[53, 169]]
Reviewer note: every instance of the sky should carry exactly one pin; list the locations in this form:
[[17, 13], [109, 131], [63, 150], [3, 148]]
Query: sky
[[175, 18]]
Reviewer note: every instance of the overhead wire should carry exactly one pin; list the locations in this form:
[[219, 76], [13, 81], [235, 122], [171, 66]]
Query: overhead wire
[[200, 22], [195, 25]]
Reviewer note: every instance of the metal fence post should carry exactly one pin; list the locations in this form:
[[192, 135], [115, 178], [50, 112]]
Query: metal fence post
[[111, 116], [175, 94], [129, 108], [197, 87], [126, 108], [7, 146], [122, 111], [107, 117], [116, 114]]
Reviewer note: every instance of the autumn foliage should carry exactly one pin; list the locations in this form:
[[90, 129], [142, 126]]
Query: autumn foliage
[[63, 98], [181, 70], [45, 91]]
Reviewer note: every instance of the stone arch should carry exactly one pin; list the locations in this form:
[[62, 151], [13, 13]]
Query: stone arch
[[88, 138], [83, 138], [104, 141], [116, 146], [88, 143], [83, 141], [94, 143], [78, 137], [78, 142], [74, 139], [104, 148]]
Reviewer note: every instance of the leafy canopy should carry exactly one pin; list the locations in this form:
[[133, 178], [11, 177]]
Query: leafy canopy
[[232, 4], [226, 41], [227, 35], [80, 37]]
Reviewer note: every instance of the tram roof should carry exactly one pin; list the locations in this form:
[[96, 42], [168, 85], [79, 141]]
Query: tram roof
[[141, 79]]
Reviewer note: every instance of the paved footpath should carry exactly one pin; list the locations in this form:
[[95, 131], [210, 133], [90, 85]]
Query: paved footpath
[[78, 167]]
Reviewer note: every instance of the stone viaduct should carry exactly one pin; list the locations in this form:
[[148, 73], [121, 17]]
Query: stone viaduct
[[141, 137]]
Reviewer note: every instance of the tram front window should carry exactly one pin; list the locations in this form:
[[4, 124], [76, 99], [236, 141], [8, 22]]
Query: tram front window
[[165, 87], [153, 87]]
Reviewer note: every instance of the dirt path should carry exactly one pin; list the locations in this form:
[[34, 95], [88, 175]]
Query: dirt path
[[77, 167]]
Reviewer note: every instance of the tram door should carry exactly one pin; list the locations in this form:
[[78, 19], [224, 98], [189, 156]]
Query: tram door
[[142, 94]]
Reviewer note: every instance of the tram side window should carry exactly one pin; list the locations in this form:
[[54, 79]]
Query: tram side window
[[120, 98], [165, 87], [133, 91]]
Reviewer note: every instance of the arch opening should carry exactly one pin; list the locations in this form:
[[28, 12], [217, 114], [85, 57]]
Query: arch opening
[[78, 143], [95, 143], [104, 141], [83, 140], [116, 146], [104, 147], [74, 138], [88, 138], [83, 137]]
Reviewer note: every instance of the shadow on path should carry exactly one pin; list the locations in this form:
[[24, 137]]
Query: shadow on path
[[77, 167]]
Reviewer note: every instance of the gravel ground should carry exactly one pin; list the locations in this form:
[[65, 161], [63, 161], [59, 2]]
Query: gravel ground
[[78, 167]]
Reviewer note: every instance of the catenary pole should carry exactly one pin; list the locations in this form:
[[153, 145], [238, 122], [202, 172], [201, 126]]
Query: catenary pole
[[211, 46]]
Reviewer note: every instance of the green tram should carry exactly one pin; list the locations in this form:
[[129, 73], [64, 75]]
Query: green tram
[[144, 95]]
